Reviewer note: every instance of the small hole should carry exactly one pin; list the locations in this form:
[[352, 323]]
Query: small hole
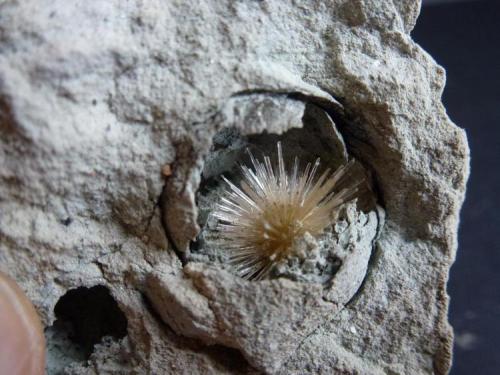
[[84, 317], [66, 222]]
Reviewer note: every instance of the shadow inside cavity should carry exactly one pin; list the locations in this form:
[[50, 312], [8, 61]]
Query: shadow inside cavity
[[84, 317]]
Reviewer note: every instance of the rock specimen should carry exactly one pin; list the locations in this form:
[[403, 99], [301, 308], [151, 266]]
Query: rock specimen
[[111, 122]]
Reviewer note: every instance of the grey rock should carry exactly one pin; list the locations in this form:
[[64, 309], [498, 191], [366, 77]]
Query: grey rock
[[96, 97]]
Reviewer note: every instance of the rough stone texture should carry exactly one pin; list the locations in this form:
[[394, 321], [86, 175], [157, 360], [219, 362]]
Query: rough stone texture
[[96, 97]]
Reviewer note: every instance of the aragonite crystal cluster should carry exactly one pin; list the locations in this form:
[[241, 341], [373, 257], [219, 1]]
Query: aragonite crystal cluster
[[262, 219]]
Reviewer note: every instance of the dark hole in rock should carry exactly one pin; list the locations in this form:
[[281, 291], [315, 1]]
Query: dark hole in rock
[[228, 358], [84, 316], [67, 221]]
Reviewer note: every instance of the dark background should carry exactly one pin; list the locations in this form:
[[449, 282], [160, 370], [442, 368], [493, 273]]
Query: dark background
[[464, 38]]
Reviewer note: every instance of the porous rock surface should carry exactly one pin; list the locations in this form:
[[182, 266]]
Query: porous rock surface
[[96, 98]]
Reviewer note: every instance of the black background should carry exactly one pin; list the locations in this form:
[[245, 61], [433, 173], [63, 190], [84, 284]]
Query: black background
[[464, 38]]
